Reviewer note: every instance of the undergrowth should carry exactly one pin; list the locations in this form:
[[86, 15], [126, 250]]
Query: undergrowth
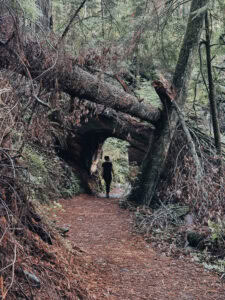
[[190, 215], [50, 177], [34, 262]]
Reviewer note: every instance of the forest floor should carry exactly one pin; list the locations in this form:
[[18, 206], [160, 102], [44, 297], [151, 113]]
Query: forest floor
[[119, 264]]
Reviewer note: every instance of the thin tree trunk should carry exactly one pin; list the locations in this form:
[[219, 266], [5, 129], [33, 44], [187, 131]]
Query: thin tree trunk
[[211, 93], [154, 162], [45, 21], [103, 23]]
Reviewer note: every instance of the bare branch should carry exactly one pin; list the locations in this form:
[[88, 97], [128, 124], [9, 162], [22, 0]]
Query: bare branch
[[71, 21], [13, 273], [41, 102], [191, 143]]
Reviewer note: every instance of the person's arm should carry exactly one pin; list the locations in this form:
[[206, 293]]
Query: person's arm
[[102, 170], [113, 171]]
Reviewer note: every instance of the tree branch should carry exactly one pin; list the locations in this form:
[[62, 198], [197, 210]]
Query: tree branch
[[190, 141], [71, 21]]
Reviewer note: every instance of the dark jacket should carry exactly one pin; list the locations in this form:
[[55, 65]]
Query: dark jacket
[[107, 170]]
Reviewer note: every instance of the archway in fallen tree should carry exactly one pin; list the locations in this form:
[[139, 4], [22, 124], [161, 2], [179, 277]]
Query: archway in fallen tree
[[86, 152], [81, 130], [82, 145]]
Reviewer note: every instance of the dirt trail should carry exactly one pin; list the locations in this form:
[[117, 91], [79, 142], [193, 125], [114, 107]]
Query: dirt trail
[[120, 265]]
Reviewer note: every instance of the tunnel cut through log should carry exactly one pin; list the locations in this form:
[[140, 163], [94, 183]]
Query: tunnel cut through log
[[83, 142], [84, 149]]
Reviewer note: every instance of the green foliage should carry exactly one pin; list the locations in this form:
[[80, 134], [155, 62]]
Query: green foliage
[[36, 164], [218, 266], [71, 185], [217, 230], [147, 92], [50, 178], [30, 9], [209, 262], [117, 151]]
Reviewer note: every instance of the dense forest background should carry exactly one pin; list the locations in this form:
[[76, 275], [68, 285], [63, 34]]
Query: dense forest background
[[140, 81]]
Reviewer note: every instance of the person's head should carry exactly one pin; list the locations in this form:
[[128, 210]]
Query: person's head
[[106, 158]]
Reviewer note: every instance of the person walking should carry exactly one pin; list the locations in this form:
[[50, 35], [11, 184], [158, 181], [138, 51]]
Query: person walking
[[107, 171]]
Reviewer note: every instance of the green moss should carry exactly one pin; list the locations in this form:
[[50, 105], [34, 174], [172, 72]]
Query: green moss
[[36, 163], [71, 186], [49, 178], [147, 92]]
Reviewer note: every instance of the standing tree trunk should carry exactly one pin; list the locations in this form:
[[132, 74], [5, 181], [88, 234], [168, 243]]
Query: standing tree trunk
[[103, 23], [45, 21], [154, 162], [212, 101]]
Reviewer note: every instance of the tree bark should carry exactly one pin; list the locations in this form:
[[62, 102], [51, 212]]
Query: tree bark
[[86, 86], [98, 123], [153, 165], [116, 124], [43, 66]]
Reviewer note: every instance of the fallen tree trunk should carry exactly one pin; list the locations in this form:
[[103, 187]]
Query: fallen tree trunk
[[44, 66], [119, 125], [96, 123]]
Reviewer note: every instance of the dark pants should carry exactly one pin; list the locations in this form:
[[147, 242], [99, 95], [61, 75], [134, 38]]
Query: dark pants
[[107, 183]]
